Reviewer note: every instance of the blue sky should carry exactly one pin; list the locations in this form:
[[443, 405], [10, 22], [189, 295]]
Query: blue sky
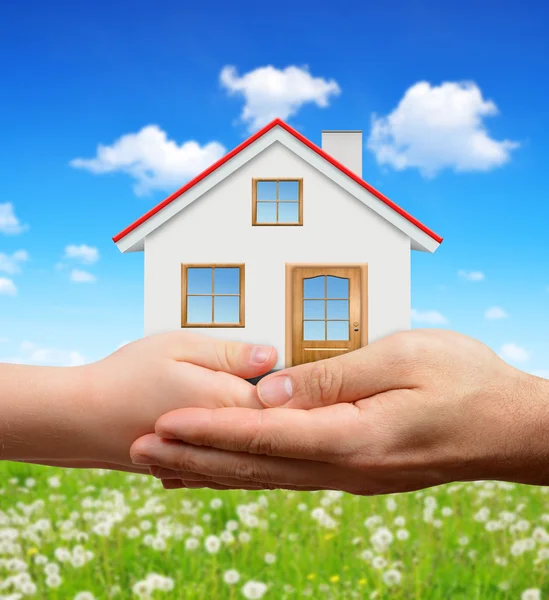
[[450, 97]]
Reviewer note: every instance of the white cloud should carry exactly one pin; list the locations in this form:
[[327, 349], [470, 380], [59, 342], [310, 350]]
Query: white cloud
[[79, 276], [514, 353], [495, 312], [471, 275], [429, 317], [439, 127], [9, 223], [270, 93], [84, 253], [37, 355], [12, 263], [7, 287], [154, 161]]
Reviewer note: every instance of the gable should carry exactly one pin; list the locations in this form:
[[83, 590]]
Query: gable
[[132, 238]]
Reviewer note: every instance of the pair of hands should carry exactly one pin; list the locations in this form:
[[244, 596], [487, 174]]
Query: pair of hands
[[413, 410]]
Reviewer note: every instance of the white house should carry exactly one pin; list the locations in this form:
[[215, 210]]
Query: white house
[[282, 243]]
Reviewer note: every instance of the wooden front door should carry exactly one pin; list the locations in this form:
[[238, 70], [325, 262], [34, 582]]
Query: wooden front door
[[326, 312]]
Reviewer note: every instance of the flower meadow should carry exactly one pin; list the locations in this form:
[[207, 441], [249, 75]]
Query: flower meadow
[[94, 534]]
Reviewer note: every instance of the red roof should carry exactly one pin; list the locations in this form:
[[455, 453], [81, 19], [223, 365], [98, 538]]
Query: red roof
[[251, 140]]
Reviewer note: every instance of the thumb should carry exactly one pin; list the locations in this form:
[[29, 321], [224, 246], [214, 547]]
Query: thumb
[[368, 371]]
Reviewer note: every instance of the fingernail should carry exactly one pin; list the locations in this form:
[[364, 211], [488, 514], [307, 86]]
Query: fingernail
[[261, 354], [275, 391]]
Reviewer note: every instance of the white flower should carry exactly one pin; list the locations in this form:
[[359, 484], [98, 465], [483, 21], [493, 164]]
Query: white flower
[[231, 576], [62, 554], [382, 538], [392, 577], [28, 588], [191, 543], [253, 590], [244, 537], [402, 534], [30, 482], [531, 594], [51, 569], [143, 589], [54, 481], [391, 504], [400, 521], [231, 525], [379, 562], [197, 531], [53, 580], [216, 503], [270, 558], [84, 596], [212, 544], [226, 537]]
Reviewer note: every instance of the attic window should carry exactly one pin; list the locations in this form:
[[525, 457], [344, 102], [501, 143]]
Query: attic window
[[277, 202], [212, 295]]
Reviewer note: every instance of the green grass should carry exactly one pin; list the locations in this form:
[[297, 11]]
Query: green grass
[[453, 550]]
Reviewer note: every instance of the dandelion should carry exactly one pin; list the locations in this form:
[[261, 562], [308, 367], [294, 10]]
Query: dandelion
[[244, 537], [30, 482], [216, 503], [392, 577], [212, 544], [335, 578], [254, 590], [191, 543], [231, 577], [362, 581], [311, 576], [270, 558], [84, 596], [531, 594], [378, 562], [53, 580], [402, 534]]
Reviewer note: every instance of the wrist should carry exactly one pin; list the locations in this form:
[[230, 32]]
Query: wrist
[[42, 412], [524, 444]]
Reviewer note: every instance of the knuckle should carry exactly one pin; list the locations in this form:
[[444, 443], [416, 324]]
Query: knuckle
[[251, 470], [223, 356], [188, 463], [259, 442], [325, 381]]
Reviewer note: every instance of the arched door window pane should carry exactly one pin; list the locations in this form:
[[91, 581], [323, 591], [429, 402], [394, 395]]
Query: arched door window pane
[[326, 308]]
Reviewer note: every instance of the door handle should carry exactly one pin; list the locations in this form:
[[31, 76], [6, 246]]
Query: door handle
[[355, 325]]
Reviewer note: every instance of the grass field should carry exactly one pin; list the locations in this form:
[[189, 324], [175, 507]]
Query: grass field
[[68, 534]]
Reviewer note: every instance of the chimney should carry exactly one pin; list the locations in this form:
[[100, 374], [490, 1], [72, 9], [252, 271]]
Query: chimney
[[345, 147]]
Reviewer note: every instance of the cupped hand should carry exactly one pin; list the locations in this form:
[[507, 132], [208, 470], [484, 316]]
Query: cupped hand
[[413, 410]]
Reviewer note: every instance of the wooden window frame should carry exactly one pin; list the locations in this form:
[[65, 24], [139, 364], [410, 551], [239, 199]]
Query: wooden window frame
[[277, 180], [184, 295]]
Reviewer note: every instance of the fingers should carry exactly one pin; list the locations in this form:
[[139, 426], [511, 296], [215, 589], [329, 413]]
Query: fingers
[[220, 466], [199, 386], [379, 367], [243, 360], [196, 480], [324, 434]]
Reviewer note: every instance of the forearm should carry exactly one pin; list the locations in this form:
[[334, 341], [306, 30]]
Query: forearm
[[42, 412]]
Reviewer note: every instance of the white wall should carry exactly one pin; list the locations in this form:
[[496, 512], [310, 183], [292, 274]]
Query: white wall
[[217, 228]]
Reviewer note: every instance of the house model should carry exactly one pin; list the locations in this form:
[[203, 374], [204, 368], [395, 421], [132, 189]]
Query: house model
[[282, 243]]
